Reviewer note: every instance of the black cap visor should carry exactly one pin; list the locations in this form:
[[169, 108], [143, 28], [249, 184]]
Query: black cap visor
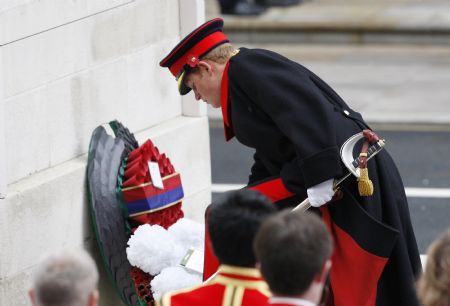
[[182, 87]]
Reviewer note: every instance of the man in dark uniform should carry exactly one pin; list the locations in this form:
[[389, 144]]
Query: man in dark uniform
[[296, 123]]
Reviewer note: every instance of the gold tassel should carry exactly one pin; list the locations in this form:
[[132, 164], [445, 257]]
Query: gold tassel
[[365, 185]]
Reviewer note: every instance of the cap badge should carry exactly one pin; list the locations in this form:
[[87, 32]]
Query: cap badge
[[193, 61]]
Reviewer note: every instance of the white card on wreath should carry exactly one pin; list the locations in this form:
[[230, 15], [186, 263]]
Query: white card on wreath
[[155, 175]]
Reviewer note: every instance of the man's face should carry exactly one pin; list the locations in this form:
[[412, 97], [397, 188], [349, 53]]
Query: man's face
[[205, 82]]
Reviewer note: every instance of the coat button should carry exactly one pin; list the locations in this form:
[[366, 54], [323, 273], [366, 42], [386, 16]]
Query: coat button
[[250, 109], [346, 112]]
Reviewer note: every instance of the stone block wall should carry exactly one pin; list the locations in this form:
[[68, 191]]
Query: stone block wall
[[66, 67]]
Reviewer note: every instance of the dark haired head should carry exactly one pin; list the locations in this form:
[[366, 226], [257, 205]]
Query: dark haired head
[[233, 221], [292, 248]]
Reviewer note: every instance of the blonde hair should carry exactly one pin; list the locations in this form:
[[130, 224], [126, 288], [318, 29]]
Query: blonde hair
[[434, 284], [220, 54]]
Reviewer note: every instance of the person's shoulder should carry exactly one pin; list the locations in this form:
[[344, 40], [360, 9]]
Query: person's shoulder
[[249, 62], [254, 59], [246, 54]]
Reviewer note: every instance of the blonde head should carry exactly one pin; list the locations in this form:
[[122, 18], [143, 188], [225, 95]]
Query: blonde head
[[434, 284], [220, 54]]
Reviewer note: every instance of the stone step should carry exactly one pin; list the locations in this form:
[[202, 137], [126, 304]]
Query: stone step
[[349, 21], [388, 84]]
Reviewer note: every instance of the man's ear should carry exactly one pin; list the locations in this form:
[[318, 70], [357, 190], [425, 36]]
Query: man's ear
[[205, 65], [32, 295], [322, 275]]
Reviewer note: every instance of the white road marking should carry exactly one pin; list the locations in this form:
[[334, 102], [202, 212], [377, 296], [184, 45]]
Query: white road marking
[[427, 192], [219, 188], [411, 192]]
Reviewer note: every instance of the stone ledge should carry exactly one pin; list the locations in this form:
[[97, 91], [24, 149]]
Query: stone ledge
[[57, 119], [20, 20], [35, 17]]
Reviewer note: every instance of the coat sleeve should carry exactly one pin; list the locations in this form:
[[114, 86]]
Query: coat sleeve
[[284, 90], [258, 170]]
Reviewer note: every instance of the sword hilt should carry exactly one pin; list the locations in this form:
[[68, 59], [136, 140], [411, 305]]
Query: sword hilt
[[371, 152]]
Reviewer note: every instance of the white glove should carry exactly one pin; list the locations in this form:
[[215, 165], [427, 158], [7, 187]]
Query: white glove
[[320, 193]]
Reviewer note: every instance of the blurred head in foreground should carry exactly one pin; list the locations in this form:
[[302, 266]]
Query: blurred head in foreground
[[293, 250], [233, 221], [65, 279], [434, 284]]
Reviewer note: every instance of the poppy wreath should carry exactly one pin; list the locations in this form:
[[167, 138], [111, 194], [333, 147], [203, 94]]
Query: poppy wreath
[[122, 197], [144, 203]]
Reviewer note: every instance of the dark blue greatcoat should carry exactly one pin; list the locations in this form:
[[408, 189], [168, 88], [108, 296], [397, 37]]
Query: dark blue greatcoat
[[296, 123]]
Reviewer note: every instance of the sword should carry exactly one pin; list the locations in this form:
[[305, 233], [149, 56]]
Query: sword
[[352, 164]]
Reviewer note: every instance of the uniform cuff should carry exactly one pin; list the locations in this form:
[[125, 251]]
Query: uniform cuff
[[321, 167]]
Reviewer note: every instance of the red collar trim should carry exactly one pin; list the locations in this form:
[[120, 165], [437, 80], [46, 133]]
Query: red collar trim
[[225, 102], [241, 277], [240, 273]]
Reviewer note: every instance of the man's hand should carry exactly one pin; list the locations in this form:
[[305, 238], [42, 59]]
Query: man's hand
[[320, 193]]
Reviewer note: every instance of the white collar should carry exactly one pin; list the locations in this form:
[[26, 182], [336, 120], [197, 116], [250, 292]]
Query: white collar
[[288, 300]]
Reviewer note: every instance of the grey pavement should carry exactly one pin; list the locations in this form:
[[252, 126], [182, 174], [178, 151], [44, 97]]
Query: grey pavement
[[387, 84], [395, 80], [421, 158]]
